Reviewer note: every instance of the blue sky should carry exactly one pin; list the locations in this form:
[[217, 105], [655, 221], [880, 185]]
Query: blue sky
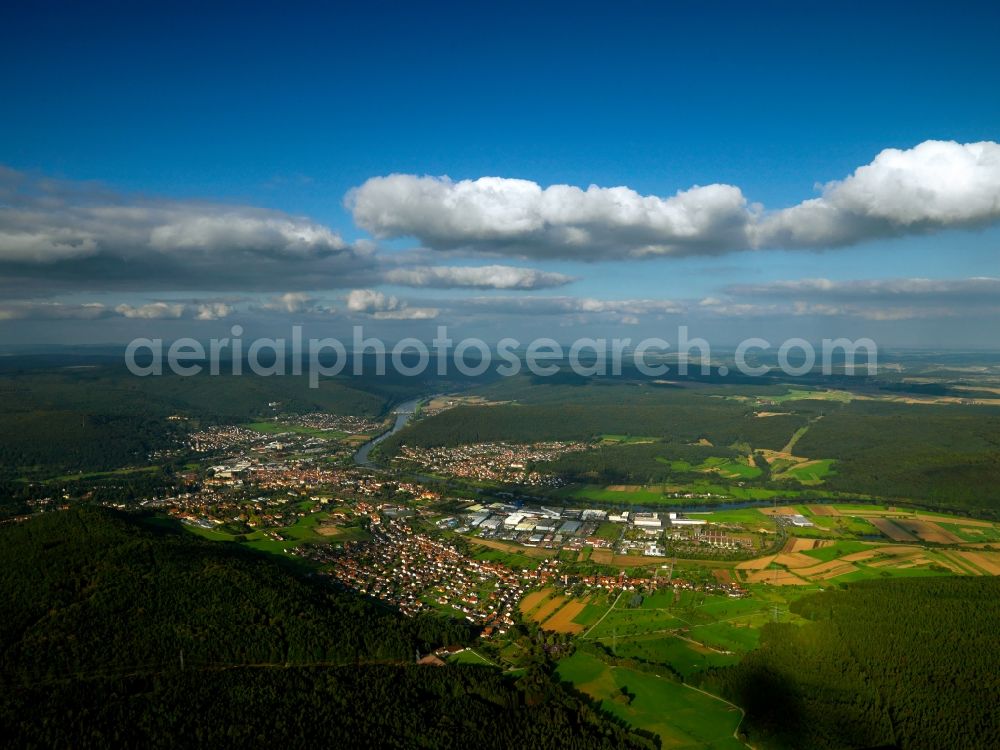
[[290, 107]]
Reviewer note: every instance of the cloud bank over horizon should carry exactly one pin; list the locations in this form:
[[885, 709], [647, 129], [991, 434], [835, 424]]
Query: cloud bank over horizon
[[63, 241], [933, 186]]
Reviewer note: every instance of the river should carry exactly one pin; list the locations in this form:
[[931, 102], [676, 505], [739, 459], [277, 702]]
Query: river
[[404, 412]]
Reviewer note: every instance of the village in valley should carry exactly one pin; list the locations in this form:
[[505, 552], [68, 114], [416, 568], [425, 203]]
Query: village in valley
[[441, 531], [662, 581]]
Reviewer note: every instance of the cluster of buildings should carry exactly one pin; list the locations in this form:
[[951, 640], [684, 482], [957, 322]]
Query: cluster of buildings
[[416, 573], [534, 526], [252, 443], [350, 424], [572, 528], [794, 519], [507, 463], [224, 438], [710, 536]]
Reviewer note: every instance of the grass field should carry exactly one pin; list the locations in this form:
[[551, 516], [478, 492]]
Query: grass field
[[654, 494], [628, 439], [799, 394], [124, 472], [974, 534], [508, 554], [470, 656], [609, 531], [640, 496], [750, 516], [302, 531], [278, 428], [685, 657], [811, 472], [681, 716], [835, 550]]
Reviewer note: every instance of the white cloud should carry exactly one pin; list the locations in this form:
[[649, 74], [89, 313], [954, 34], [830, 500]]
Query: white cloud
[[57, 235], [520, 217], [368, 300], [935, 185], [981, 288], [158, 310], [290, 302], [407, 313], [476, 277], [152, 310], [212, 311], [46, 310], [623, 310], [870, 299], [384, 307]]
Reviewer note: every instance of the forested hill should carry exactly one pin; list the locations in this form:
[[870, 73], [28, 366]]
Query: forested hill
[[910, 663], [98, 611]]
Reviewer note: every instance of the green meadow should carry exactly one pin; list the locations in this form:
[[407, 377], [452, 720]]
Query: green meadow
[[681, 716]]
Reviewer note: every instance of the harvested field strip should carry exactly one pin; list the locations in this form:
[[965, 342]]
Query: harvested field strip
[[929, 531], [823, 510], [840, 570], [549, 607], [602, 556], [892, 560], [984, 560], [859, 556], [795, 560], [776, 577], [533, 599], [798, 544], [953, 566], [896, 550], [508, 547], [562, 621], [631, 561], [823, 568], [961, 563], [963, 521], [759, 564], [893, 531], [900, 550]]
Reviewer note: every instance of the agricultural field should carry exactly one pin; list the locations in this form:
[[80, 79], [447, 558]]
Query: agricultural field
[[740, 467], [685, 656], [308, 529], [810, 472], [628, 439], [510, 555], [798, 394], [708, 623], [680, 715], [555, 611], [281, 428], [470, 656], [657, 495], [848, 560]]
